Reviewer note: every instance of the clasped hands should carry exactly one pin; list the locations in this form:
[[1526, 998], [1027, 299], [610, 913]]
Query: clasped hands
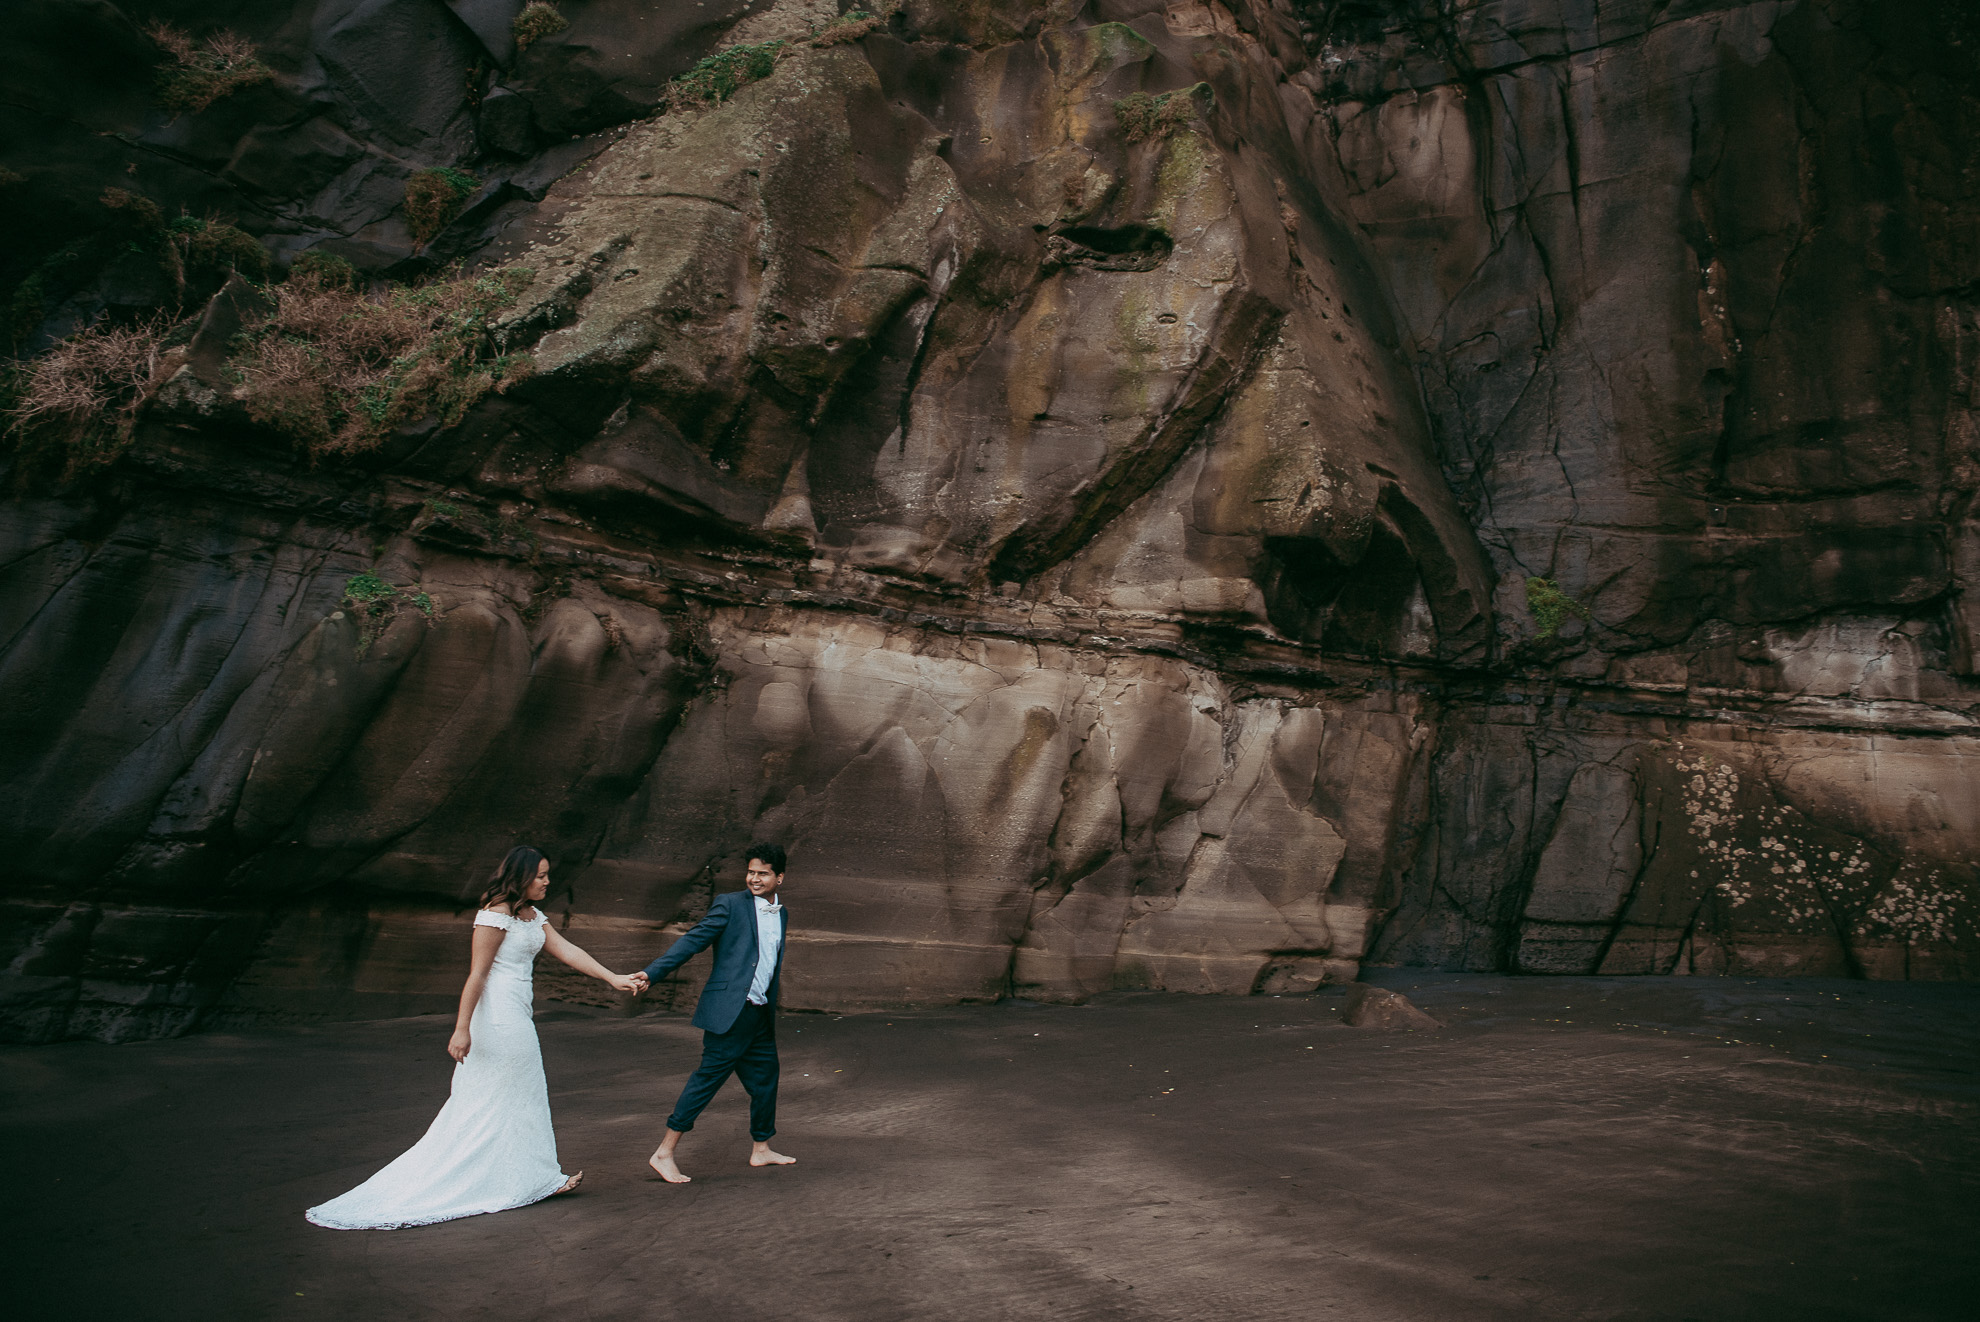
[[635, 983]]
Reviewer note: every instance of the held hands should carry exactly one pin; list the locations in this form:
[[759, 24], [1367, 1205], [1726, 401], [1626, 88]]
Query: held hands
[[626, 982], [640, 983], [457, 1046]]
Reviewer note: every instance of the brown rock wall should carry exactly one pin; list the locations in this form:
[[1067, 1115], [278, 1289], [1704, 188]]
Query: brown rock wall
[[1103, 558]]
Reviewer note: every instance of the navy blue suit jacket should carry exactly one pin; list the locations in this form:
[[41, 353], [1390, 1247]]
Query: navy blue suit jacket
[[731, 926]]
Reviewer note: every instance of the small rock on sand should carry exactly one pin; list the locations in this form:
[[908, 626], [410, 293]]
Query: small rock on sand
[[1378, 1007]]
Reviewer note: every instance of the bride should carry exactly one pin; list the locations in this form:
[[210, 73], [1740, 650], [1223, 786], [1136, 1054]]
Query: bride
[[491, 1147]]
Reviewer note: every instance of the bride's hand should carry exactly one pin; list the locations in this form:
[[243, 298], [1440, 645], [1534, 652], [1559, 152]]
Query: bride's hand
[[624, 982], [457, 1047]]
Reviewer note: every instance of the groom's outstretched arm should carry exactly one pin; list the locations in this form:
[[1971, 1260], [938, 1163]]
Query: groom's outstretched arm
[[697, 939]]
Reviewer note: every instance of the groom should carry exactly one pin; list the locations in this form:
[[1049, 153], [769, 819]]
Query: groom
[[738, 1009]]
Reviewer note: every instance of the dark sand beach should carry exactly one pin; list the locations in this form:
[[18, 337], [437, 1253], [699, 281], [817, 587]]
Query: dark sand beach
[[1665, 1149]]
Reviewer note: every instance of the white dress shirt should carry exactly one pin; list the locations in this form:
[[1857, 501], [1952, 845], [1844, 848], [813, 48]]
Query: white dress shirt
[[769, 939]]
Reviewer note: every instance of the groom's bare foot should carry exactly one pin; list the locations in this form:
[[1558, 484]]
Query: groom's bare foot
[[765, 1157], [570, 1185], [663, 1162]]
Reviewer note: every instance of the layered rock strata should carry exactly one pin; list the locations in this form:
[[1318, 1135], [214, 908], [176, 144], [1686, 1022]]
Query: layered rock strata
[[1479, 486]]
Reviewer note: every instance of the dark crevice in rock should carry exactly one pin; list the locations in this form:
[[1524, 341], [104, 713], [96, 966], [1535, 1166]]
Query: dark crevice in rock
[[1232, 352], [1126, 248]]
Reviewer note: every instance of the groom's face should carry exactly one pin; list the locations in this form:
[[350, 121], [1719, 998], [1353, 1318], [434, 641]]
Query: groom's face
[[762, 882]]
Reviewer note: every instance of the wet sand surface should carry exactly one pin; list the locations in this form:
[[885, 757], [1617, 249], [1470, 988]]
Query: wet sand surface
[[1565, 1148]]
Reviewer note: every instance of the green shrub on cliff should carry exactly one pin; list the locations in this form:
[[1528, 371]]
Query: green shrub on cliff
[[539, 19], [326, 269], [724, 73], [198, 73], [377, 603], [76, 407], [333, 368], [134, 210], [336, 369], [1143, 117], [434, 198], [364, 588], [847, 27], [209, 244], [187, 247], [1552, 607]]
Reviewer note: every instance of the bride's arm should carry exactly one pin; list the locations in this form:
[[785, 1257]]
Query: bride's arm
[[487, 940], [562, 948]]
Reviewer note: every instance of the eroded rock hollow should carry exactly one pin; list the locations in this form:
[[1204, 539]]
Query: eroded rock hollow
[[1190, 496]]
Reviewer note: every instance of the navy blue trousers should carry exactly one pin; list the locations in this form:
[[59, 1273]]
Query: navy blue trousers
[[748, 1051]]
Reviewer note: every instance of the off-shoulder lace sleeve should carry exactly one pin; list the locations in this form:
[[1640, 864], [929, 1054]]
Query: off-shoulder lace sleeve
[[489, 918]]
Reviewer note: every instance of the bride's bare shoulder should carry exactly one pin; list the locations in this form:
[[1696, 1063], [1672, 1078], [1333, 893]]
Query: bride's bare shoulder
[[500, 906]]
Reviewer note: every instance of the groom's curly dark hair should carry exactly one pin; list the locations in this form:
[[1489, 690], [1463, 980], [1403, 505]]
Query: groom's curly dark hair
[[767, 853]]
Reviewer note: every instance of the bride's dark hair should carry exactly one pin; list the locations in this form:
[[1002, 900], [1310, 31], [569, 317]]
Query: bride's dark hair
[[512, 880]]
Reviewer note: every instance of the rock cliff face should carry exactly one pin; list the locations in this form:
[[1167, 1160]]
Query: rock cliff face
[[1190, 496]]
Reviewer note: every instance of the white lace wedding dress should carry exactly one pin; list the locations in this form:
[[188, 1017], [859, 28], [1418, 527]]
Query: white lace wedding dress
[[491, 1147]]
